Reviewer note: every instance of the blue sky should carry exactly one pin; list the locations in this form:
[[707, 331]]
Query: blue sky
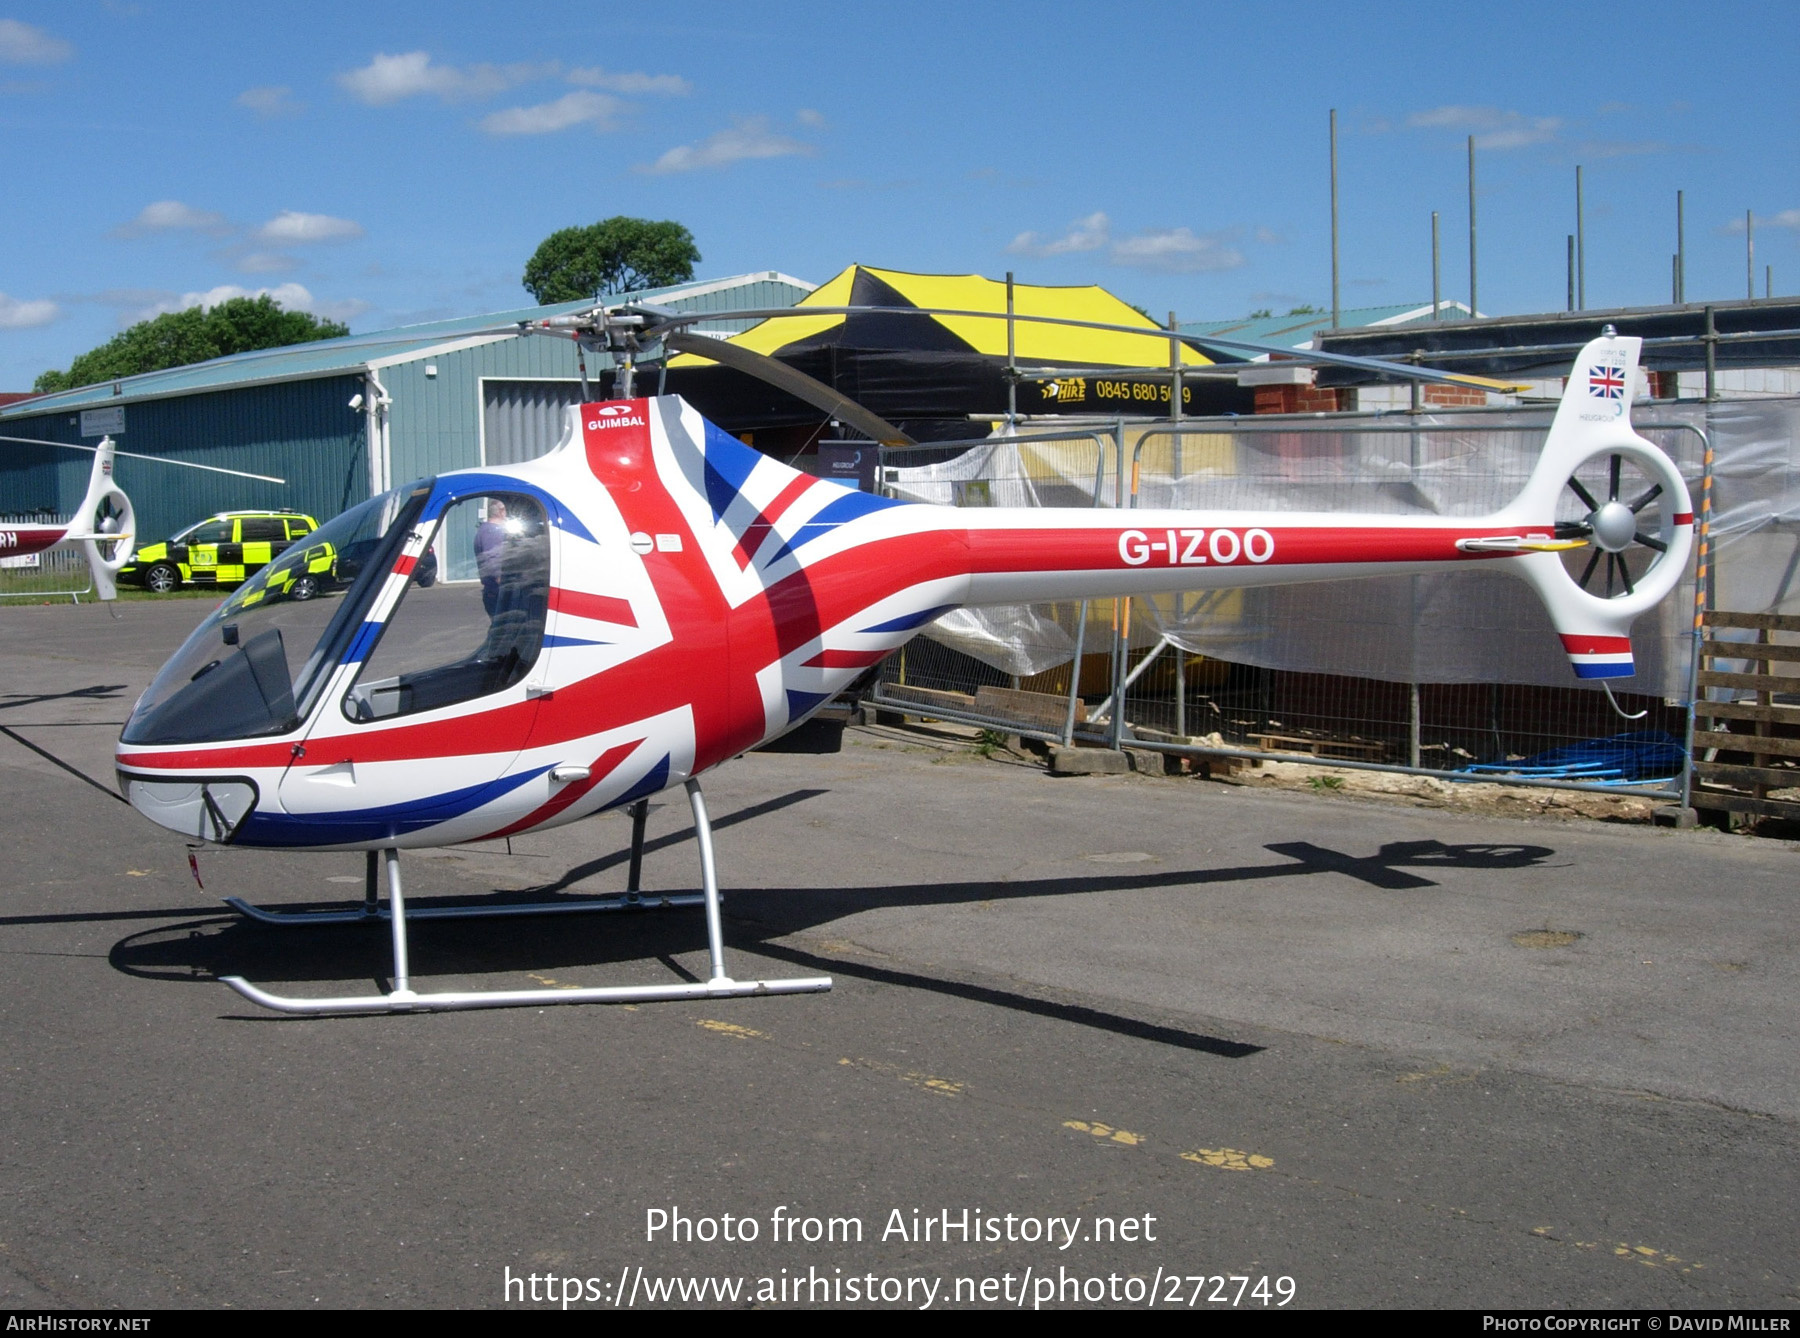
[[397, 162]]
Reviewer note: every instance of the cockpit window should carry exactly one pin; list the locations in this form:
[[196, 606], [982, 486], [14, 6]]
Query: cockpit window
[[258, 663], [453, 641]]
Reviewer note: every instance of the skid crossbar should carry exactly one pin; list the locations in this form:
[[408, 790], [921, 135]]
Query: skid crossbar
[[404, 999]]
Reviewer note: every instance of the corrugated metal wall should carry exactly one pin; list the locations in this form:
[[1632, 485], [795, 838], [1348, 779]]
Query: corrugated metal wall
[[302, 431], [522, 420], [435, 422]]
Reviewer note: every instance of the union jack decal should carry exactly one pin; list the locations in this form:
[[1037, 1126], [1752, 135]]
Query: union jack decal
[[1606, 383]]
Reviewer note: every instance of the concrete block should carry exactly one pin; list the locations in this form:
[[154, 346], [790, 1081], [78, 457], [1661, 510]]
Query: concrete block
[[1149, 762], [1673, 815], [1087, 761]]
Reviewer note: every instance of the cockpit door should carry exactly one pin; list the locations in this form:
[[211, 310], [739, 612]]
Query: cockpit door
[[416, 740]]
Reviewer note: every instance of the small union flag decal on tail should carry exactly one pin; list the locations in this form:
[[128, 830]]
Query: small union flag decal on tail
[[1606, 383]]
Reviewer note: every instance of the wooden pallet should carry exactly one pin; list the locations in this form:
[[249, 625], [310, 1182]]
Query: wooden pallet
[[1766, 730], [1035, 710], [1347, 750]]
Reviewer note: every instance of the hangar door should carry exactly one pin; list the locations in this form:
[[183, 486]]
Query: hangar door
[[521, 420]]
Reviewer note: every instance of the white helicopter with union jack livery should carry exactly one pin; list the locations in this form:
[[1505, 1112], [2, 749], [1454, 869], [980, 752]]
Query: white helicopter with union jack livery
[[653, 598]]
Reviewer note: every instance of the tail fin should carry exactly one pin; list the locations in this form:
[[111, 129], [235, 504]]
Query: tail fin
[[1594, 420], [105, 523]]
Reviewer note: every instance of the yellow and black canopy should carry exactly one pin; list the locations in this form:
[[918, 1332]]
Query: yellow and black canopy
[[908, 364]]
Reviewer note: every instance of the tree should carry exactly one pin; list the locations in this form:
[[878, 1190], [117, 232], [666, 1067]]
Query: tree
[[615, 255], [178, 338]]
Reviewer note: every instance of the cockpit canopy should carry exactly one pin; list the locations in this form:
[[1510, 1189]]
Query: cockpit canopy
[[470, 622]]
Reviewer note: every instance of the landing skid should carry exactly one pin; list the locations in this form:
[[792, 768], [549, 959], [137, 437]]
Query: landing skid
[[404, 999]]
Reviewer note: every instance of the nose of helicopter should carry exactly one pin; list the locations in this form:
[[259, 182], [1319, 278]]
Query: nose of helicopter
[[208, 810]]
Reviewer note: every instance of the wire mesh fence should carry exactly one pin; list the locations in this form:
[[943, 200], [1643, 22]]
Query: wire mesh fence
[[1457, 675], [61, 574]]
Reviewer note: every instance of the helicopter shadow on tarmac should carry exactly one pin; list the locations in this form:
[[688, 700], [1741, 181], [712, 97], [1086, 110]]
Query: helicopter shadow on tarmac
[[206, 944]]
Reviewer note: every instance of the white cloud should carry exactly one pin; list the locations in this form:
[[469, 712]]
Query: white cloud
[[748, 137], [19, 315], [629, 82], [1168, 250], [1085, 234], [22, 44], [291, 228], [1620, 148], [388, 78], [577, 108], [291, 297], [266, 262], [275, 100], [1176, 251], [172, 216], [810, 118], [1787, 218], [1492, 127]]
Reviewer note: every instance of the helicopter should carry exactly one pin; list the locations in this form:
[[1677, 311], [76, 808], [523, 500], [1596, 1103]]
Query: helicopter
[[653, 598], [103, 526]]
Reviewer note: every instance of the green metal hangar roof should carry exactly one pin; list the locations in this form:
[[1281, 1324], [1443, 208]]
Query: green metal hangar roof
[[458, 395]]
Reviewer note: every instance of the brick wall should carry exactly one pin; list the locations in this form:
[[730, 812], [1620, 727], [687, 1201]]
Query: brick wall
[[1304, 399], [1456, 397]]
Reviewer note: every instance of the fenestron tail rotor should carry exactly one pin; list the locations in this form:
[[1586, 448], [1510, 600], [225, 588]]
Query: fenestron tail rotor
[[1623, 537]]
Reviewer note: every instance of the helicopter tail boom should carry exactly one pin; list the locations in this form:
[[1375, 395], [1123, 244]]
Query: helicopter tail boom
[[1020, 555]]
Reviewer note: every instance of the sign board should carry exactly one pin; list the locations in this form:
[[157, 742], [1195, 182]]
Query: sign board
[[25, 560], [1121, 394], [849, 462], [103, 422]]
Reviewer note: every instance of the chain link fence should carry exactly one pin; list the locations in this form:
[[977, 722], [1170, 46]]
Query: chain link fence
[[60, 574], [1458, 676]]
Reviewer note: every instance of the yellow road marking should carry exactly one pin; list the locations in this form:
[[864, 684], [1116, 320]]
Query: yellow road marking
[[924, 1081], [732, 1029], [1105, 1131], [1637, 1254], [1229, 1159]]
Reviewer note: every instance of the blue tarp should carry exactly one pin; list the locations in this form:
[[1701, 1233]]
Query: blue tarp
[[1624, 759]]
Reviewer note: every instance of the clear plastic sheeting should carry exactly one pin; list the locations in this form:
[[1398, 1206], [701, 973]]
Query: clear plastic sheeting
[[1016, 639], [1756, 506], [1462, 627], [1023, 469]]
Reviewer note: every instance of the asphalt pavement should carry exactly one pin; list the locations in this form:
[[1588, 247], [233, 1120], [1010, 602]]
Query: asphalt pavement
[[1126, 1038]]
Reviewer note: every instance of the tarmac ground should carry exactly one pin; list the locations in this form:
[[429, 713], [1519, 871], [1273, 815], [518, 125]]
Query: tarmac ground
[[1352, 1050]]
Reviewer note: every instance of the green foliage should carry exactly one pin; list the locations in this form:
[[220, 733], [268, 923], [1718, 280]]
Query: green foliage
[[988, 740], [1261, 313], [1323, 783], [178, 338], [615, 255], [1307, 309]]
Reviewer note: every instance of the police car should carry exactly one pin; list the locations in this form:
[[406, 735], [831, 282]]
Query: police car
[[225, 549]]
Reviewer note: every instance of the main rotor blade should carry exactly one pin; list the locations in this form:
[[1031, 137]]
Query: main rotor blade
[[795, 382], [153, 459], [662, 319]]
